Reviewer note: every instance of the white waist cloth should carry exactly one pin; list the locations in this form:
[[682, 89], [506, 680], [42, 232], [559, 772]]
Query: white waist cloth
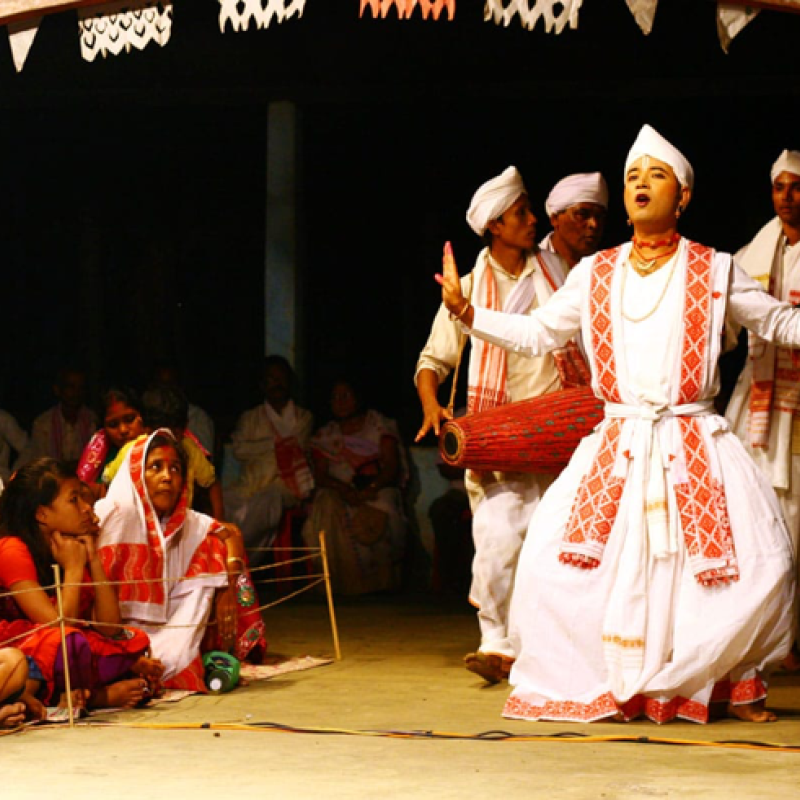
[[651, 439]]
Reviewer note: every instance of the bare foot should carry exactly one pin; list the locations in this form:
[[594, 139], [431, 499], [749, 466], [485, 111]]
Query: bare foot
[[79, 698], [152, 670], [12, 715], [491, 667], [34, 708], [752, 712], [148, 667], [122, 694]]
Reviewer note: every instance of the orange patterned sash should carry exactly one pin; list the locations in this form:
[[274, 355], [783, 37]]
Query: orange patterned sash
[[701, 502]]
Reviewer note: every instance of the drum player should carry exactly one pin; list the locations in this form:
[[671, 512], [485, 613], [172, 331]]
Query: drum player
[[513, 275]]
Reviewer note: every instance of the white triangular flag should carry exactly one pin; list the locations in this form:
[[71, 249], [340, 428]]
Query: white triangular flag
[[730, 21], [20, 37], [644, 11]]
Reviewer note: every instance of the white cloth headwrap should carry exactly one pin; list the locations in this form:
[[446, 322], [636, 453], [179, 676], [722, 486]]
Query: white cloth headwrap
[[493, 198], [585, 187], [788, 161], [651, 143]]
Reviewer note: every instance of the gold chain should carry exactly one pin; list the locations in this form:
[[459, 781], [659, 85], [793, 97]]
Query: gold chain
[[658, 301]]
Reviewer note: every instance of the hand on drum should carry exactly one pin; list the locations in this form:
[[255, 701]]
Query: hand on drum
[[452, 296], [435, 415]]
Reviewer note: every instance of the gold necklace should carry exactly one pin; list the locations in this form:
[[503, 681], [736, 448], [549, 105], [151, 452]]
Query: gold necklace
[[658, 301], [645, 267]]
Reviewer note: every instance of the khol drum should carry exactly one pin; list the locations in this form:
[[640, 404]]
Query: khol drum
[[536, 435]]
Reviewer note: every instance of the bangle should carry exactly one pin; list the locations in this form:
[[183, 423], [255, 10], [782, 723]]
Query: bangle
[[234, 560], [463, 311]]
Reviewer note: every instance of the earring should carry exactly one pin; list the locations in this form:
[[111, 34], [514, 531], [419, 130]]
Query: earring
[[629, 223], [678, 212]]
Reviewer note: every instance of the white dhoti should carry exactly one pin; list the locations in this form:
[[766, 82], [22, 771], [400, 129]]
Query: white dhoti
[[499, 526]]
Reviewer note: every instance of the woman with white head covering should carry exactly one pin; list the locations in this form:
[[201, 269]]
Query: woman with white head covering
[[660, 576], [171, 564]]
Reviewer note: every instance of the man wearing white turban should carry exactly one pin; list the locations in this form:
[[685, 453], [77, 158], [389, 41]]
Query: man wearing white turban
[[661, 574], [509, 274], [764, 409], [577, 207]]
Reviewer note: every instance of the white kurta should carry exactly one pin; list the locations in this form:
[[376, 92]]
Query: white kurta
[[502, 502], [780, 461], [639, 633]]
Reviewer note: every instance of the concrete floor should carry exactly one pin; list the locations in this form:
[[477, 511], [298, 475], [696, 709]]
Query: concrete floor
[[401, 671]]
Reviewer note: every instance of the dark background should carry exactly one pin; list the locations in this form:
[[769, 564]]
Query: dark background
[[132, 211]]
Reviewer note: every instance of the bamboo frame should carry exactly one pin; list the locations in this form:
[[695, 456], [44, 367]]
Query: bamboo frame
[[64, 651], [334, 630]]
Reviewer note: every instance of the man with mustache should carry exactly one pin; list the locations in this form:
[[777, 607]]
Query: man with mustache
[[510, 274], [577, 207], [764, 405]]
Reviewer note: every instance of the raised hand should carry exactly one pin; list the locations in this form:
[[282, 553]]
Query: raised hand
[[452, 296]]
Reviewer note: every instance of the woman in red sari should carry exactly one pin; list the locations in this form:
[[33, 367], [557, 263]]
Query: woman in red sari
[[44, 520]]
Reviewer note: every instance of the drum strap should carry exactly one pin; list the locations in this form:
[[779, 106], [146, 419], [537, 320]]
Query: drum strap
[[462, 342]]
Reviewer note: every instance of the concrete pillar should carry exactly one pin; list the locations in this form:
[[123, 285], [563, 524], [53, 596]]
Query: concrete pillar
[[281, 284]]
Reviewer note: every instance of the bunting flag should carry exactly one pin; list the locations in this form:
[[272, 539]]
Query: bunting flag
[[380, 8], [644, 11], [730, 21], [556, 13], [239, 13], [119, 26], [20, 37]]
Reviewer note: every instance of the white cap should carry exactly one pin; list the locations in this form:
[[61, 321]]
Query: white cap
[[788, 161], [651, 143], [584, 187], [493, 198]]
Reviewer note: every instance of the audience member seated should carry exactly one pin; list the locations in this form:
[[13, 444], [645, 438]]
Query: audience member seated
[[359, 469], [16, 702], [149, 537], [166, 407], [121, 412], [45, 521], [64, 430], [12, 437], [270, 443], [198, 421]]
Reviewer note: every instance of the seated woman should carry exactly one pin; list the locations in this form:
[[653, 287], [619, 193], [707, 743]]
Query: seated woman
[[15, 702], [121, 413], [44, 520], [167, 407], [359, 466], [183, 573]]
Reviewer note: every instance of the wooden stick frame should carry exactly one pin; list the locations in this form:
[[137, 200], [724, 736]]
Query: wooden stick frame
[[334, 629], [64, 652]]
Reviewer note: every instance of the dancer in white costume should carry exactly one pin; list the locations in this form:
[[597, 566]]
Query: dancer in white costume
[[763, 410], [509, 274], [660, 576]]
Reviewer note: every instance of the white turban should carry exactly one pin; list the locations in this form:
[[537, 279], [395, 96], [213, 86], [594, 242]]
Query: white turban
[[788, 161], [651, 143], [585, 187], [493, 198]]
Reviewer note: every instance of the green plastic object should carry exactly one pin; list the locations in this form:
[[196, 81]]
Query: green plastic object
[[221, 671]]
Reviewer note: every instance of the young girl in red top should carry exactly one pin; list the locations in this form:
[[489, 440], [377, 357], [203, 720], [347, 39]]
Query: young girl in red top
[[44, 520]]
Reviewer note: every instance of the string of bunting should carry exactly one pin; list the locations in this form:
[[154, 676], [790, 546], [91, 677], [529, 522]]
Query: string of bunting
[[114, 28]]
